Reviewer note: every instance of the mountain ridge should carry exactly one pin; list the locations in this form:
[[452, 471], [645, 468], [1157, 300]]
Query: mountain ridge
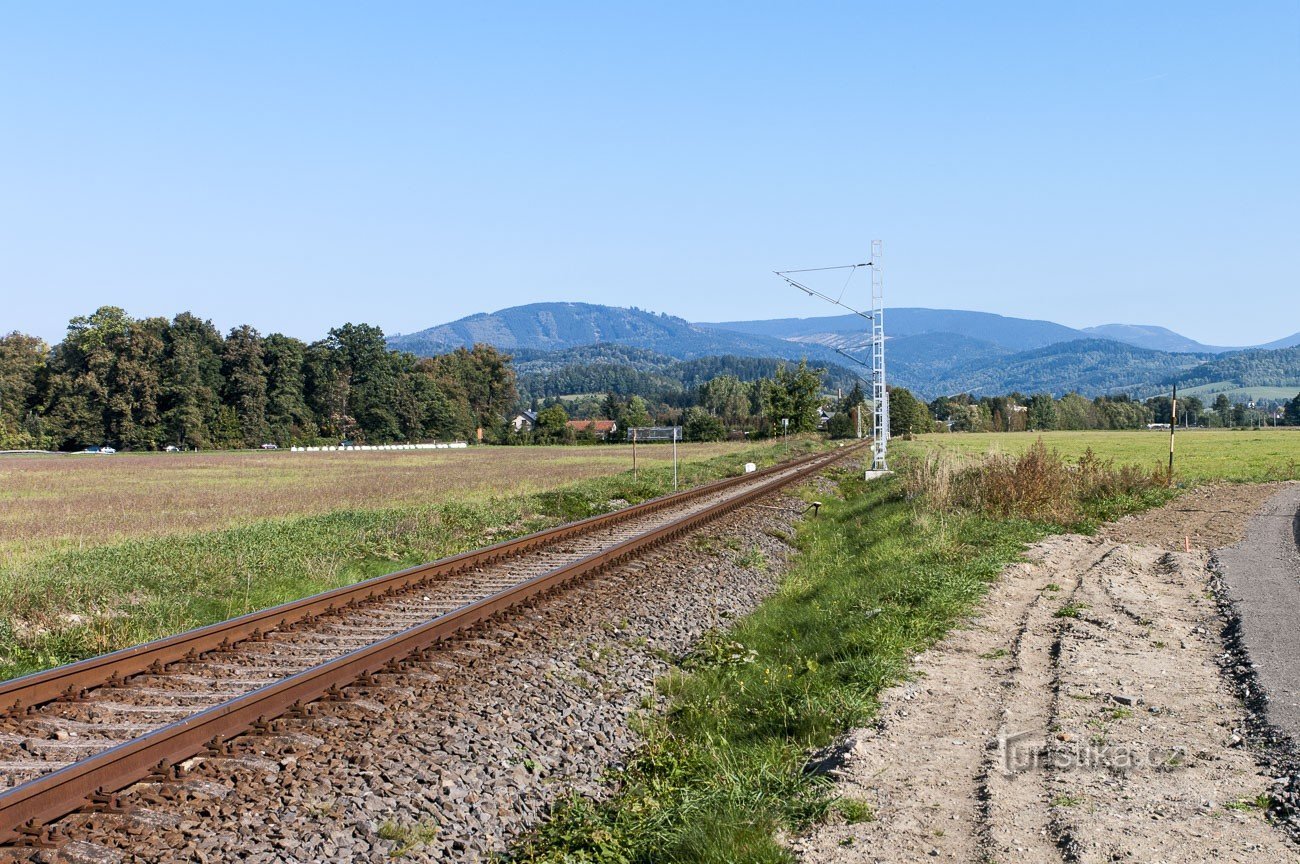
[[932, 352]]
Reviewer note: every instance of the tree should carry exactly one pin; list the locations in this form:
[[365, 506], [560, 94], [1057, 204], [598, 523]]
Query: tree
[[24, 380], [726, 397], [1292, 413], [841, 425], [552, 424], [360, 355], [907, 415], [794, 394], [482, 379], [192, 382], [700, 425], [1042, 412], [287, 416], [636, 413], [245, 375], [1223, 408]]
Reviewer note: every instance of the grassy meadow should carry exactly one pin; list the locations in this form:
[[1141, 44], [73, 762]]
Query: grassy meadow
[[105, 552], [1201, 455]]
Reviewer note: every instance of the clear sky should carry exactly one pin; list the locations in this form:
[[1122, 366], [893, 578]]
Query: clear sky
[[299, 165]]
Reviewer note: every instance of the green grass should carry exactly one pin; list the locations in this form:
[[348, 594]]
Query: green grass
[[876, 580], [67, 605], [886, 570], [1239, 394], [1202, 455]]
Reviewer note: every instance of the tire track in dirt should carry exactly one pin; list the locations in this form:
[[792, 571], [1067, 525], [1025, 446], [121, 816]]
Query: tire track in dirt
[[1080, 716]]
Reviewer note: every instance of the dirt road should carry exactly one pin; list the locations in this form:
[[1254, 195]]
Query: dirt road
[[1081, 716]]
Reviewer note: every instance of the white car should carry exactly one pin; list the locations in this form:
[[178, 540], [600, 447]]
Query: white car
[[171, 448]]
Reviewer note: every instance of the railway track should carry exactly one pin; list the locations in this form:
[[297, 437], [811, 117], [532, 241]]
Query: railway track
[[72, 736]]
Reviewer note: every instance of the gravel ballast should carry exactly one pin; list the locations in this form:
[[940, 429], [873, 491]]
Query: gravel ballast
[[459, 755]]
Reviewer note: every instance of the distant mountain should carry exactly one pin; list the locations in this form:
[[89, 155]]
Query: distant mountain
[[1088, 366], [583, 347], [561, 326], [1018, 334], [1153, 337], [1285, 342]]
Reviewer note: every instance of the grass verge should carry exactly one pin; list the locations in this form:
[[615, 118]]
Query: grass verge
[[880, 575], [68, 605]]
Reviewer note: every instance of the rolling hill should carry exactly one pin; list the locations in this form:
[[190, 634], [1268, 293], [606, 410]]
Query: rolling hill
[[585, 347], [1015, 333], [540, 327]]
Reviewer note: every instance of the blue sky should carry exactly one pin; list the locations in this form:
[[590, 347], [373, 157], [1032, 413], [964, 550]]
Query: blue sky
[[298, 165]]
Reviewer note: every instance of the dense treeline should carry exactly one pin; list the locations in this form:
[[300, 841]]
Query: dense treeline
[[707, 412], [150, 383], [1016, 412]]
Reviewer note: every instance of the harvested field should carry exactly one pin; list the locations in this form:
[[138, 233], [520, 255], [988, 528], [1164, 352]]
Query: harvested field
[[78, 501]]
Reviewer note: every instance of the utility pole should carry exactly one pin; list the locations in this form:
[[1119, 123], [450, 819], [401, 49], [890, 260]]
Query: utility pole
[[879, 388], [676, 430], [1173, 427]]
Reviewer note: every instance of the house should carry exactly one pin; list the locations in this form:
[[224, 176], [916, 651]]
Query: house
[[824, 416], [602, 428], [524, 421]]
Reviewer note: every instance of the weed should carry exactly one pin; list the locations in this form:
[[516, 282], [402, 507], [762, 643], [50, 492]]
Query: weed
[[1260, 802], [408, 838], [854, 810], [754, 559], [1070, 610]]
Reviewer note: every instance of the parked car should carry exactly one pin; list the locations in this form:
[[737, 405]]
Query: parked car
[[270, 446], [171, 448], [95, 448]]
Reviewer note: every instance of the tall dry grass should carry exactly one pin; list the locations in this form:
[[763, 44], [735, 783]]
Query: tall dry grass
[[1038, 484]]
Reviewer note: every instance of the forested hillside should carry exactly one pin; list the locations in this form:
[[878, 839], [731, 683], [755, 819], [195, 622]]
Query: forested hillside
[[153, 382], [627, 371], [562, 326], [1262, 368]]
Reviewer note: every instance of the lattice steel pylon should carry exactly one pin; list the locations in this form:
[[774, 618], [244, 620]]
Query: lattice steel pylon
[[879, 388]]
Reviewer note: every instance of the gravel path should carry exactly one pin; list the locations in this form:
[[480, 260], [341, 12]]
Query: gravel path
[[1081, 716], [452, 761]]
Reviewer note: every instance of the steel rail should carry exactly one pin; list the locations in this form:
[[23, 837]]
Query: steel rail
[[73, 679], [24, 809]]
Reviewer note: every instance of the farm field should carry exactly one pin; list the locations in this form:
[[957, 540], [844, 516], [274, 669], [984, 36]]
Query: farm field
[[102, 552], [1202, 455], [80, 501]]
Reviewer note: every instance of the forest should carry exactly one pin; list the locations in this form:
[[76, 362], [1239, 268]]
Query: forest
[[150, 383]]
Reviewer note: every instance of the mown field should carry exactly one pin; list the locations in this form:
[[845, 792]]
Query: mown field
[[76, 501], [1201, 455], [105, 552]]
